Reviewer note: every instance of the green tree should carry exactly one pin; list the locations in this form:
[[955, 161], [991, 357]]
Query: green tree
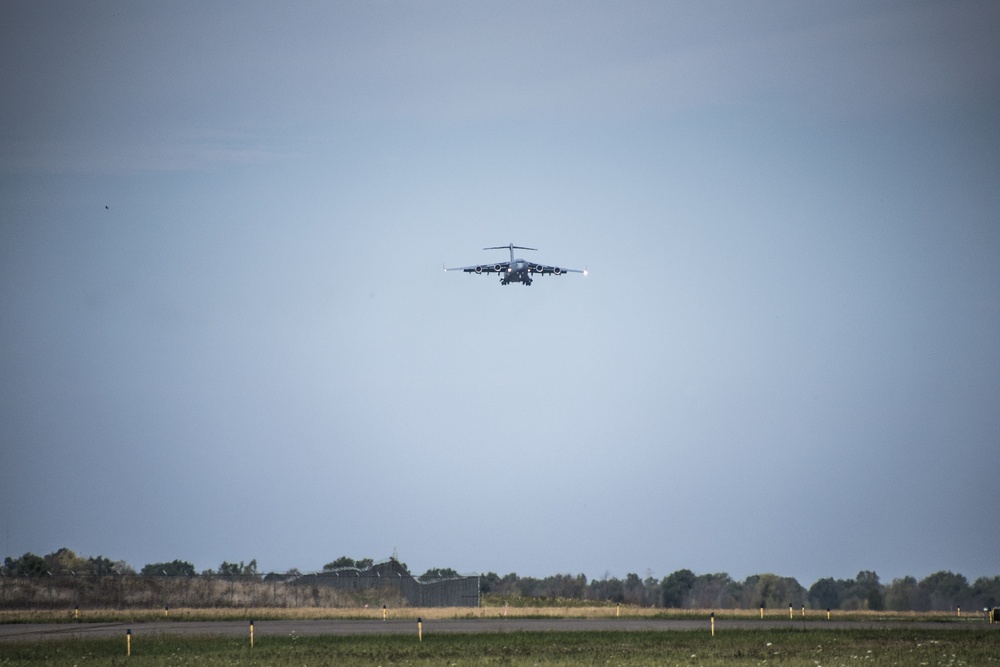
[[121, 567], [675, 587], [240, 569], [487, 582], [564, 586], [825, 594], [65, 561], [437, 573], [634, 590], [28, 565], [902, 595], [347, 561], [864, 593], [653, 592], [945, 590], [713, 591], [614, 589], [506, 585], [985, 593], [529, 587], [343, 561], [772, 591], [176, 568], [100, 566]]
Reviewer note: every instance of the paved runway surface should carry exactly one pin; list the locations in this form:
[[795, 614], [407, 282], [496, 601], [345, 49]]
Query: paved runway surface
[[49, 631]]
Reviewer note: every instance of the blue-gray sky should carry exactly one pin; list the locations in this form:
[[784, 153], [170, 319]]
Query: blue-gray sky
[[226, 334]]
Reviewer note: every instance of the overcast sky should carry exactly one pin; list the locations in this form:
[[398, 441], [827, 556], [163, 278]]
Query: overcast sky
[[226, 334]]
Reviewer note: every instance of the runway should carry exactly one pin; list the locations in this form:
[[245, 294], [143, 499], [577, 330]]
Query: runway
[[277, 628]]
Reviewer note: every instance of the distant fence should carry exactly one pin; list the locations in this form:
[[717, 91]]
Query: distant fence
[[387, 583], [390, 576]]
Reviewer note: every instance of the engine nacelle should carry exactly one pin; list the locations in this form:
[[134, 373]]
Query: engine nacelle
[[479, 269], [557, 270], [497, 268], [540, 269]]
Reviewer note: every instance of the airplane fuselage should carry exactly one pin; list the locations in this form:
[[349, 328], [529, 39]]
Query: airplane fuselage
[[519, 271]]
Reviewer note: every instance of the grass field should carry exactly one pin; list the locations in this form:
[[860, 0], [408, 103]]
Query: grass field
[[810, 647]]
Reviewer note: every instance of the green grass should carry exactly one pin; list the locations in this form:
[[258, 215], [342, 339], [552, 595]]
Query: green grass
[[812, 648]]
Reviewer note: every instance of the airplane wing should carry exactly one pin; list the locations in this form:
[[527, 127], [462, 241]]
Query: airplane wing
[[496, 267], [554, 270]]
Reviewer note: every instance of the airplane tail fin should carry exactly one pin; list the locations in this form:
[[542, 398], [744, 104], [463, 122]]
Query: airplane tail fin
[[511, 247]]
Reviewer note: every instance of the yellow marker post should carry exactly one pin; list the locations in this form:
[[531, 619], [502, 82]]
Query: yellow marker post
[[803, 611], [166, 610], [618, 610], [420, 629], [385, 613], [789, 612], [713, 623], [76, 612], [828, 613], [762, 612], [128, 642], [251, 634], [960, 612]]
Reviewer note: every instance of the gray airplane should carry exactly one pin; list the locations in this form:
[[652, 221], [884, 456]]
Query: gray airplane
[[516, 270]]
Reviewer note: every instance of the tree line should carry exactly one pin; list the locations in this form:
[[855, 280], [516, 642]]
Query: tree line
[[683, 589]]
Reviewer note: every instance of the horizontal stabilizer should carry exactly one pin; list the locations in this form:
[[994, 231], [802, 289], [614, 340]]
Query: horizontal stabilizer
[[509, 246]]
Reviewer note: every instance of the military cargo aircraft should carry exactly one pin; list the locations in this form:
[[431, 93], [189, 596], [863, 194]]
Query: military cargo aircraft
[[516, 270]]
